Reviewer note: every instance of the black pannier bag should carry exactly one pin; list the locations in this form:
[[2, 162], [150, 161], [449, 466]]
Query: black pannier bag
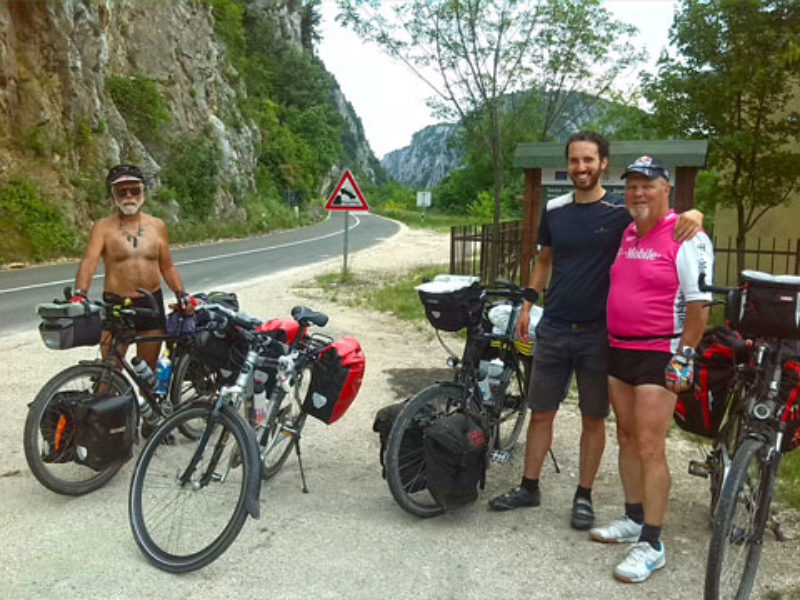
[[59, 423], [455, 460], [452, 302], [95, 431], [336, 377], [790, 394], [768, 306], [217, 343], [700, 409], [106, 430], [66, 325], [412, 465]]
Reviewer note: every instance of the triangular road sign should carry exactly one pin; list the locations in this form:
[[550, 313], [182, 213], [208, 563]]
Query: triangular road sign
[[347, 196]]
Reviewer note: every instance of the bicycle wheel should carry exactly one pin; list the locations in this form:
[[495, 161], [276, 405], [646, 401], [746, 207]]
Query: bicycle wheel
[[183, 527], [405, 464], [193, 381], [735, 547], [721, 455], [285, 420], [513, 409], [48, 436]]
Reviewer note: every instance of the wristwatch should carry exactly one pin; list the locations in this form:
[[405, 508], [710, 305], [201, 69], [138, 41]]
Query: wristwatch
[[688, 353]]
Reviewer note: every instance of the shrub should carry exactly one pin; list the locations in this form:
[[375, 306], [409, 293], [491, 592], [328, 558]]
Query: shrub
[[31, 228], [191, 176], [141, 104]]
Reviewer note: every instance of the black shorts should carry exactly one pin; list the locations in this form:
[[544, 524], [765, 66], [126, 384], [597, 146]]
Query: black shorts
[[561, 349], [638, 367], [141, 323]]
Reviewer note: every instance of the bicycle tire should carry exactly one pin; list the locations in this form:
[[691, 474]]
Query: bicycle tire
[[181, 528], [724, 451], [513, 410], [285, 420], [735, 548], [193, 381], [404, 461], [64, 475]]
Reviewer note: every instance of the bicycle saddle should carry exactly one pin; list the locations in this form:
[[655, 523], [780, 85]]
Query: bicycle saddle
[[306, 316]]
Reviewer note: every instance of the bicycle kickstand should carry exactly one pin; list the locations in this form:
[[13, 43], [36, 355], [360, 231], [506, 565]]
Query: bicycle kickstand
[[555, 462], [300, 463]]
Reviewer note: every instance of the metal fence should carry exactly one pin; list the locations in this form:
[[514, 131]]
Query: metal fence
[[776, 257], [471, 251]]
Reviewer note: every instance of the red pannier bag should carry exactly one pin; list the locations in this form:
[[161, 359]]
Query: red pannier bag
[[700, 409], [335, 380], [790, 393]]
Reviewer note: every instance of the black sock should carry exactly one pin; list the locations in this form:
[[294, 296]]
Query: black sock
[[635, 512], [651, 534], [583, 492], [531, 485]]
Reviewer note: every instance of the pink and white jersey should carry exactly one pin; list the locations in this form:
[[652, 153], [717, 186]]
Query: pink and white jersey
[[652, 279]]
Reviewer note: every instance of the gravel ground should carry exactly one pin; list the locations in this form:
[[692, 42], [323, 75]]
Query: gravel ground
[[347, 538]]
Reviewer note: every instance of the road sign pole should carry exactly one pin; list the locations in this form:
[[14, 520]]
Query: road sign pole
[[346, 228]]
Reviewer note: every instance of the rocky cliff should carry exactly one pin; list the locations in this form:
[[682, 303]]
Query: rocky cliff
[[427, 160], [74, 79]]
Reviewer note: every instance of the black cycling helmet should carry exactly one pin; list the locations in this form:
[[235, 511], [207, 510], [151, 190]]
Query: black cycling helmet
[[122, 173]]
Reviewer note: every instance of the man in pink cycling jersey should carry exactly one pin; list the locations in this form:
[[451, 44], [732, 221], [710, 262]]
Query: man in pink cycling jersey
[[656, 315]]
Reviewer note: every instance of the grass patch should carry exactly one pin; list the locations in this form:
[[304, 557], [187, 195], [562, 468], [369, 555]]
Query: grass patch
[[393, 293], [788, 487], [436, 221]]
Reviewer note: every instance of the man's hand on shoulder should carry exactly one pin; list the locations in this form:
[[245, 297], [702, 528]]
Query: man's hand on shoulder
[[688, 225]]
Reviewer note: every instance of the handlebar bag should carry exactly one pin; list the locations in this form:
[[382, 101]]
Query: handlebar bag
[[449, 307], [790, 394], [105, 430], [455, 460], [67, 325], [336, 377], [769, 306], [700, 409]]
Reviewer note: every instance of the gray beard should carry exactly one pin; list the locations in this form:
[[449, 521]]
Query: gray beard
[[128, 211]]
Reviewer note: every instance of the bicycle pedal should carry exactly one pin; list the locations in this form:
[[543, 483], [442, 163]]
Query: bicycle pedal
[[699, 469], [500, 456]]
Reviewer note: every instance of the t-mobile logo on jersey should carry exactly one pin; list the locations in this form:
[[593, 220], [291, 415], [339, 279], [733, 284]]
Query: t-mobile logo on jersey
[[642, 254]]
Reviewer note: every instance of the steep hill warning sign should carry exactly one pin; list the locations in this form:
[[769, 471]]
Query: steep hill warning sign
[[347, 196]]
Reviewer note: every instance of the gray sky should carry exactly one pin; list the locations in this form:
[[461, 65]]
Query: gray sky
[[390, 99]]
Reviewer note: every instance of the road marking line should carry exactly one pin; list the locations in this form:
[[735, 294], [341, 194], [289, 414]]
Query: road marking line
[[196, 260]]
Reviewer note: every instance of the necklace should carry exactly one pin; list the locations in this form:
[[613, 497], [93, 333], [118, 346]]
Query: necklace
[[133, 238]]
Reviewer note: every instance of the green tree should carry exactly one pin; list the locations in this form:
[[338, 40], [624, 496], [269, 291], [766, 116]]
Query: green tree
[[736, 70], [476, 55]]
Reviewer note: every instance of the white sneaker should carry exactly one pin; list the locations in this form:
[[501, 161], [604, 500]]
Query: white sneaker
[[623, 530], [640, 562]]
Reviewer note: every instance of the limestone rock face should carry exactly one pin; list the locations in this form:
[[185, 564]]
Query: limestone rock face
[[56, 61], [427, 160]]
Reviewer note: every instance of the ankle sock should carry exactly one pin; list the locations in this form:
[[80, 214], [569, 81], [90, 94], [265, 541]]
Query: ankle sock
[[530, 485], [651, 534], [635, 512], [583, 492]]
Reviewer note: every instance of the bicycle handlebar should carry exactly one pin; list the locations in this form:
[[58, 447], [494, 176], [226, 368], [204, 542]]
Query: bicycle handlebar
[[121, 309], [714, 289], [513, 291]]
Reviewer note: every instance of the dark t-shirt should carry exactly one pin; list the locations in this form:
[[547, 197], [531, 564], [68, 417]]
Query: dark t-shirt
[[584, 239]]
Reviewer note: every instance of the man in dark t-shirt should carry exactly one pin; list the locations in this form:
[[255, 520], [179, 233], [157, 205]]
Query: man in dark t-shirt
[[579, 234]]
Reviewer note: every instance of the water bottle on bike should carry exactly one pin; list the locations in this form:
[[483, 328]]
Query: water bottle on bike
[[145, 373]]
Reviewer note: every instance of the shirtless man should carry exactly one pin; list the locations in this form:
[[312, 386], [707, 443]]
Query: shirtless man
[[135, 249]]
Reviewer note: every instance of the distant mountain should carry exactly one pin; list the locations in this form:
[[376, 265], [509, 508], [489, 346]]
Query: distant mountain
[[431, 156], [427, 160]]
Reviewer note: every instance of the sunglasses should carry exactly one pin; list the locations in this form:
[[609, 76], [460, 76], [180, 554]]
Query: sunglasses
[[125, 192]]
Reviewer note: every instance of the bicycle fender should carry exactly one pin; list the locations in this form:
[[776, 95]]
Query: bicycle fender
[[253, 490]]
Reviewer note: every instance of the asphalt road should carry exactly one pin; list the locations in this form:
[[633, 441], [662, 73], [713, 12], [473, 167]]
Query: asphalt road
[[204, 267]]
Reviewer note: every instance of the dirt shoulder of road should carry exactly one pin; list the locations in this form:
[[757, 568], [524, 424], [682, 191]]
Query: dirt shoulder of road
[[347, 538]]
